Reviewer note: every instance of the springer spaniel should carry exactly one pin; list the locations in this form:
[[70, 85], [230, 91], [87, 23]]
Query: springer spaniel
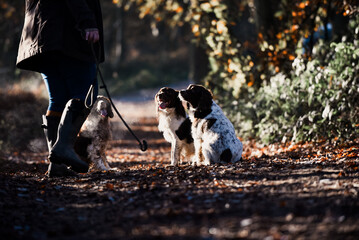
[[214, 136], [92, 140], [174, 124]]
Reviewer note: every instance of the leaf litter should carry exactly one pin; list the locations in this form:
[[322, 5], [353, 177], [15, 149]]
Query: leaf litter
[[279, 191]]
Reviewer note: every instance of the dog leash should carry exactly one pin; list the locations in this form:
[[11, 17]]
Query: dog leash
[[143, 144]]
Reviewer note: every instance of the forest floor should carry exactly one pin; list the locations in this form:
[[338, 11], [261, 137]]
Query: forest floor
[[302, 191]]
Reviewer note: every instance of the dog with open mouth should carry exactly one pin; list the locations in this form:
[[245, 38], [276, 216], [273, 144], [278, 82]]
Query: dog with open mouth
[[214, 136], [95, 133], [174, 124]]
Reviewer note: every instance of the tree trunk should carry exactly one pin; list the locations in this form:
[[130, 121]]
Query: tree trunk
[[198, 64]]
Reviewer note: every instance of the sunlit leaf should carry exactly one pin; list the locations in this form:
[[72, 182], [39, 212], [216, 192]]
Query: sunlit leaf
[[302, 5], [179, 9], [221, 27], [109, 186]]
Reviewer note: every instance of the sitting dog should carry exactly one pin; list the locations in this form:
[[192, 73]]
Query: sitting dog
[[174, 124], [91, 142], [214, 136]]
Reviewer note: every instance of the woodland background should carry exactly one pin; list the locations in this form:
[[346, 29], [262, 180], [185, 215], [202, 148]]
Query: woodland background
[[282, 70]]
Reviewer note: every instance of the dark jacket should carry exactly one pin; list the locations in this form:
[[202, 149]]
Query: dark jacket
[[53, 26]]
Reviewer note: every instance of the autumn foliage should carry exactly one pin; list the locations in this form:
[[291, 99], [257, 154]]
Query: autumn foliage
[[252, 46], [279, 68]]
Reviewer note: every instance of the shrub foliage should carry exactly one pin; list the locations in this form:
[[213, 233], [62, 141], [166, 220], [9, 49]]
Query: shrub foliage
[[317, 99]]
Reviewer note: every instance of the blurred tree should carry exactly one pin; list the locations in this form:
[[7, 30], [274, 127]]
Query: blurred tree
[[237, 44], [198, 64], [11, 19], [251, 40]]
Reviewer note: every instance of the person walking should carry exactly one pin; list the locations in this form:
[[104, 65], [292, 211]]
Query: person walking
[[59, 40]]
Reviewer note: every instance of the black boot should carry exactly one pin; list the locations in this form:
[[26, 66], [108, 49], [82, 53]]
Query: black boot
[[71, 121], [50, 126]]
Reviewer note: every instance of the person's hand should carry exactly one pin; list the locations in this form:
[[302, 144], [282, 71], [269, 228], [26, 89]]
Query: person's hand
[[92, 35]]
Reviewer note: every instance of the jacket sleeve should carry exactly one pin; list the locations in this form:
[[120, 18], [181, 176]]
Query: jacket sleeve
[[82, 13]]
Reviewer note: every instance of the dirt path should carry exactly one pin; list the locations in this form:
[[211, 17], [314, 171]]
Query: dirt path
[[294, 192]]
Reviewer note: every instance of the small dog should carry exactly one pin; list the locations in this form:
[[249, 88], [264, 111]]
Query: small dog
[[174, 124], [92, 140], [214, 135]]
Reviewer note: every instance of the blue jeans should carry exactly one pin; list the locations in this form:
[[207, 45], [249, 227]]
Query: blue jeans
[[67, 78]]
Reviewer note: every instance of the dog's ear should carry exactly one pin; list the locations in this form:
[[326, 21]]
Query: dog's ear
[[205, 101], [109, 111]]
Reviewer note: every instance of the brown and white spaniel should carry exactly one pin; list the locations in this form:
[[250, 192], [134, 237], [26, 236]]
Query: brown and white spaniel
[[174, 124], [92, 140], [214, 135]]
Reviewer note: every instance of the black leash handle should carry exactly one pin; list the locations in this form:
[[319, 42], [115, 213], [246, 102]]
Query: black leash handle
[[143, 144]]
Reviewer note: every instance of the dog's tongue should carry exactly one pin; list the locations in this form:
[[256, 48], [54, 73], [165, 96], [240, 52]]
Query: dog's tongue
[[163, 105]]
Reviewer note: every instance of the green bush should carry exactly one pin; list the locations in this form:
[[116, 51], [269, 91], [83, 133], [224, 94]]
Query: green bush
[[318, 99]]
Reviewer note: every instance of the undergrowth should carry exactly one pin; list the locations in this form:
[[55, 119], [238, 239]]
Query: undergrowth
[[318, 99]]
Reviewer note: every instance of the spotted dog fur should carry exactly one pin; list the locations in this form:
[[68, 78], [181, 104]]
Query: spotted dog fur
[[174, 124], [94, 135], [214, 136]]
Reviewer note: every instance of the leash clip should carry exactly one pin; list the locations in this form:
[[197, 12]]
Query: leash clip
[[143, 146]]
